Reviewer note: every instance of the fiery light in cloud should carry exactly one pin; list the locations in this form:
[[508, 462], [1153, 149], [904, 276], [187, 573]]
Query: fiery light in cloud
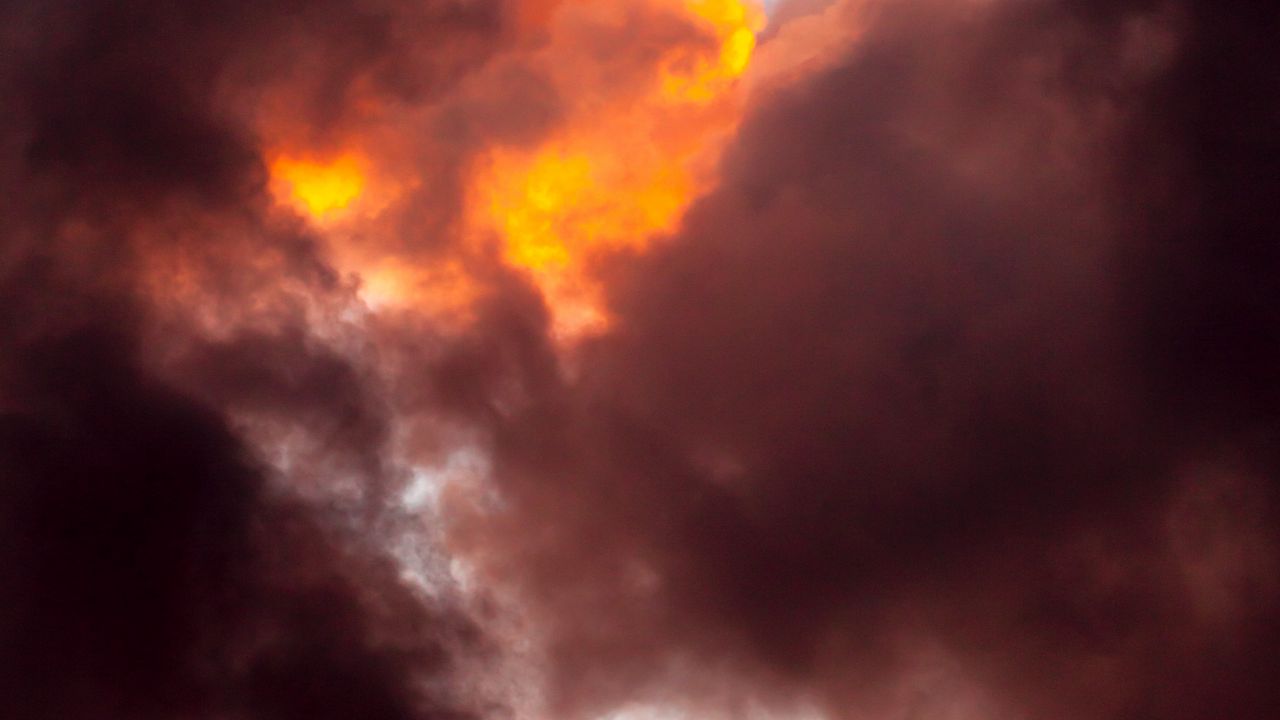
[[344, 196], [555, 208], [621, 172], [702, 77], [621, 169], [321, 188]]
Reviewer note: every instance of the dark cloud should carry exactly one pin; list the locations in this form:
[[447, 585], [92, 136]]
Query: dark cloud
[[925, 382], [150, 571], [153, 564], [953, 399]]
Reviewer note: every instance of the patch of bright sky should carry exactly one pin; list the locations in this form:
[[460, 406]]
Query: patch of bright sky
[[426, 483], [422, 563]]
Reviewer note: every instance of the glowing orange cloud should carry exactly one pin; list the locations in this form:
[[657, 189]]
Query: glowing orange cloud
[[707, 77], [621, 168], [328, 192], [319, 188], [622, 172]]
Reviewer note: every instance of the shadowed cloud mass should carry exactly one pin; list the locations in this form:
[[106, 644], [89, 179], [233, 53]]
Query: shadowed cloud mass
[[639, 358]]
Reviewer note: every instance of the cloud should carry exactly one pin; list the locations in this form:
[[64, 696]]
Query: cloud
[[883, 419], [929, 375]]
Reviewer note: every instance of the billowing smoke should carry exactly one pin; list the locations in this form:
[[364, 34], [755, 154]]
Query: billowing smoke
[[639, 358]]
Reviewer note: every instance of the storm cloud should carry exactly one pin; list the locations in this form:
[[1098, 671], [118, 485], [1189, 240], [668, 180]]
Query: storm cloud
[[920, 367]]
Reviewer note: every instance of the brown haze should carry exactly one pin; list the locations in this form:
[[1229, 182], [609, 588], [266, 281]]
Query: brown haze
[[559, 359]]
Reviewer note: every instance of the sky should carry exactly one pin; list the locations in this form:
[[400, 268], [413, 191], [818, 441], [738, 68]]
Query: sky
[[639, 360]]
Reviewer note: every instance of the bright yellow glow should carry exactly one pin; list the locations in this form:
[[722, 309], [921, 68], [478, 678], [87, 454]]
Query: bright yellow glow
[[557, 206], [624, 163], [621, 173], [320, 188], [703, 77], [346, 192]]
